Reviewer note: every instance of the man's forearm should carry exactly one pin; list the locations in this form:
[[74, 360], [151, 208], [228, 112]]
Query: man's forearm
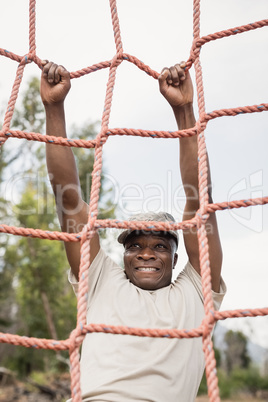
[[184, 116], [188, 154], [60, 159]]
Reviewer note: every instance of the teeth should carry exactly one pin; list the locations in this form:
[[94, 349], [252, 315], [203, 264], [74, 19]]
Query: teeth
[[147, 269]]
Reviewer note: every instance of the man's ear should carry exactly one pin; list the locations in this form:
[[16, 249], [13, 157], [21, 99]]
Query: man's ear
[[175, 260]]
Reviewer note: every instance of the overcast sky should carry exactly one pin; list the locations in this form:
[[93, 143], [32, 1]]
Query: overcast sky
[[144, 172]]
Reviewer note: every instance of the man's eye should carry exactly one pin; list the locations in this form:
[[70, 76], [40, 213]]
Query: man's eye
[[160, 246]]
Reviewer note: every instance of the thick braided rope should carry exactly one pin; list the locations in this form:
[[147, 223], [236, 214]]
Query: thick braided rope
[[208, 322], [82, 328]]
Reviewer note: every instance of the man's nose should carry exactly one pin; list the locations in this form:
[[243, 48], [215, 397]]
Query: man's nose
[[146, 254]]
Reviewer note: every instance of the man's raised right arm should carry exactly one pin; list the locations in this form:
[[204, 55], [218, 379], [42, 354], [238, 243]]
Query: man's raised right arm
[[72, 210]]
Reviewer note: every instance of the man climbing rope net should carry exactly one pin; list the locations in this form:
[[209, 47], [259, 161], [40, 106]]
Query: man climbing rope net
[[121, 367]]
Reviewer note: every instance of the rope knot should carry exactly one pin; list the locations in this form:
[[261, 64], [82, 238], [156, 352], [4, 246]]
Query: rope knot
[[117, 59], [201, 218], [73, 340], [26, 59], [201, 124], [102, 137], [29, 58], [88, 230], [208, 323], [193, 53]]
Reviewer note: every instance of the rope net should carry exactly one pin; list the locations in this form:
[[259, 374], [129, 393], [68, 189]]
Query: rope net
[[73, 343]]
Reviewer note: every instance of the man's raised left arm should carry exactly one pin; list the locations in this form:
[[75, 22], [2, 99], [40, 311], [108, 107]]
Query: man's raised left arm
[[176, 86]]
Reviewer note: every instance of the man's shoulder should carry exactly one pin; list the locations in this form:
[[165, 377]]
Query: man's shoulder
[[103, 258], [101, 269], [190, 276]]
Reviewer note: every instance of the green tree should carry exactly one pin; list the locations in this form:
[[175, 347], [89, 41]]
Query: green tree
[[203, 389], [236, 354], [31, 116], [6, 289], [34, 270], [45, 303]]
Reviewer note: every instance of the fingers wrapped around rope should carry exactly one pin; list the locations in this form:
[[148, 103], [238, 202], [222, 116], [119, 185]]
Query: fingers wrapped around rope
[[53, 71], [175, 74]]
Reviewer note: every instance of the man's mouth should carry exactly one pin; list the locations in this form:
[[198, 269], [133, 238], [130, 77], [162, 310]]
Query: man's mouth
[[147, 269]]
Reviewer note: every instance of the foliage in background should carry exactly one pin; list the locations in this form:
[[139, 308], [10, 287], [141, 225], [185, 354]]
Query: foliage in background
[[236, 354], [236, 373], [35, 297]]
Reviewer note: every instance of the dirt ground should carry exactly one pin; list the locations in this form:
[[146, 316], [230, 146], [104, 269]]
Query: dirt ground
[[241, 399], [7, 394]]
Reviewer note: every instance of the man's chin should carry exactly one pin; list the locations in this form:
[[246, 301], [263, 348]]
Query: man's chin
[[148, 285], [148, 281]]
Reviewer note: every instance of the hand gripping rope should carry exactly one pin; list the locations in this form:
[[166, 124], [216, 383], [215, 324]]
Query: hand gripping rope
[[211, 316]]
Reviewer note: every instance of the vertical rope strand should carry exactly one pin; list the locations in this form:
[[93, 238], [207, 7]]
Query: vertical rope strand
[[116, 26], [93, 206], [32, 18], [212, 379]]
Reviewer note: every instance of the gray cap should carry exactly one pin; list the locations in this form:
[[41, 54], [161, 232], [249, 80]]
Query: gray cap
[[149, 216]]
